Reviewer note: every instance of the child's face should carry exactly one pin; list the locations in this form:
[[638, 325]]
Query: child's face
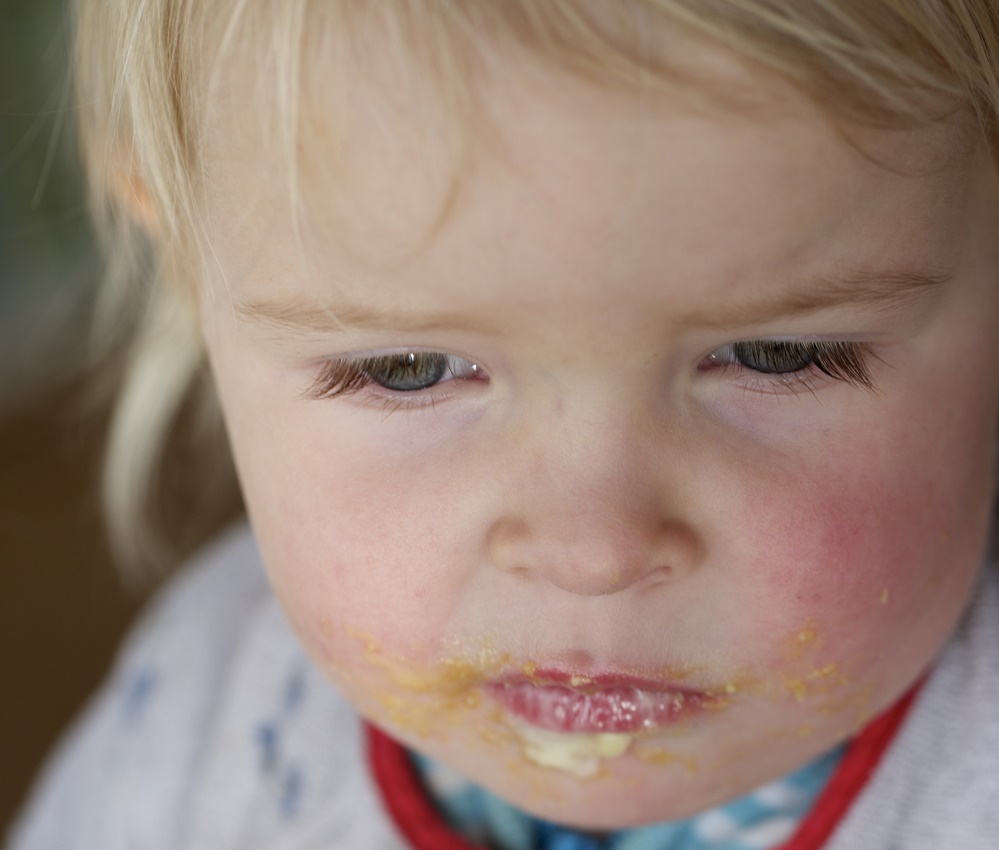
[[605, 516]]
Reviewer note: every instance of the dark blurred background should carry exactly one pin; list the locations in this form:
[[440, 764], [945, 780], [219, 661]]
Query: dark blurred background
[[62, 607]]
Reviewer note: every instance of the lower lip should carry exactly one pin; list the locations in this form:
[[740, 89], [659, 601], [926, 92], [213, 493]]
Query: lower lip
[[615, 710]]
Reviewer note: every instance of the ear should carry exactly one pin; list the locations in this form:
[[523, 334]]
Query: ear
[[131, 191]]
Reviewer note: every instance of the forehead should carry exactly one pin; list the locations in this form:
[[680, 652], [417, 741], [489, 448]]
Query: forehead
[[564, 179]]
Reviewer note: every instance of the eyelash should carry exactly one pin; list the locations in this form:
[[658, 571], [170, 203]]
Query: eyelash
[[343, 377], [793, 366], [780, 364]]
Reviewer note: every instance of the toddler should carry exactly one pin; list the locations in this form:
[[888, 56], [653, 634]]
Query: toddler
[[612, 386]]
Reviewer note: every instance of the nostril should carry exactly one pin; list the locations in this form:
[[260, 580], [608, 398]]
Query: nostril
[[506, 543]]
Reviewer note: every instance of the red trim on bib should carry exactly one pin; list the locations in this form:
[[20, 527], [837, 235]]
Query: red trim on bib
[[855, 768], [414, 814], [424, 828]]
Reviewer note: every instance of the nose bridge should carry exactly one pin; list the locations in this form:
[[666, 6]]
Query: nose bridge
[[590, 510], [593, 472]]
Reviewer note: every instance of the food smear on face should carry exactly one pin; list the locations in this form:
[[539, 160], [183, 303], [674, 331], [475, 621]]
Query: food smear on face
[[578, 754], [567, 725], [420, 697], [573, 722], [665, 758], [808, 639], [820, 681]]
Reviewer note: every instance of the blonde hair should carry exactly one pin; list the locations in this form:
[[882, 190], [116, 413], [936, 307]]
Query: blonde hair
[[144, 71]]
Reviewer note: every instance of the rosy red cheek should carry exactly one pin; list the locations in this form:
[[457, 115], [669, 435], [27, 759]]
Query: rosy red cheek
[[865, 557]]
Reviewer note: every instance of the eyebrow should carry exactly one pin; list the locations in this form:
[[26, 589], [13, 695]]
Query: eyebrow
[[305, 316], [866, 288], [877, 289]]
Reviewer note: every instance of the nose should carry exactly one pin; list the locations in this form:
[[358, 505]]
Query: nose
[[593, 518]]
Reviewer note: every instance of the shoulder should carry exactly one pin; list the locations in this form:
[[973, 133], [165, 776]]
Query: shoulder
[[139, 736], [195, 625], [214, 730], [118, 777], [938, 783]]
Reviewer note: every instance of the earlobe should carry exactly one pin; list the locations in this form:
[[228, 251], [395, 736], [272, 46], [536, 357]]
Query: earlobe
[[131, 191]]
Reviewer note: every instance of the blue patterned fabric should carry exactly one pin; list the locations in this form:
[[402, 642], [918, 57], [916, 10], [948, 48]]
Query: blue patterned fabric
[[762, 820]]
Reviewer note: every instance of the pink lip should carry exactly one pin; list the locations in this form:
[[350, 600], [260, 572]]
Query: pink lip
[[563, 703]]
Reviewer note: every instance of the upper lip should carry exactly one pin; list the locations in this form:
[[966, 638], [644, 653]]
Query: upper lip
[[594, 682]]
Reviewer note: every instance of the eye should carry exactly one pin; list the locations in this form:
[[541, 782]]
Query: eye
[[771, 358], [415, 370], [404, 372], [790, 361]]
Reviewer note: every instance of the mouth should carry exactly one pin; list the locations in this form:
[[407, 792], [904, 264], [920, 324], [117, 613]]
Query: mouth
[[574, 704]]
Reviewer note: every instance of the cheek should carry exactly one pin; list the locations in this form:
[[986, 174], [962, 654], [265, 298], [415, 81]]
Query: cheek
[[356, 553], [876, 550]]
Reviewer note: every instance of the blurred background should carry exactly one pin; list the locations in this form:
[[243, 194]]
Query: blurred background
[[63, 608]]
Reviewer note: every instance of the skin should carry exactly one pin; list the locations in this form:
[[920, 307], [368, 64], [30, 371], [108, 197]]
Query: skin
[[601, 498]]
